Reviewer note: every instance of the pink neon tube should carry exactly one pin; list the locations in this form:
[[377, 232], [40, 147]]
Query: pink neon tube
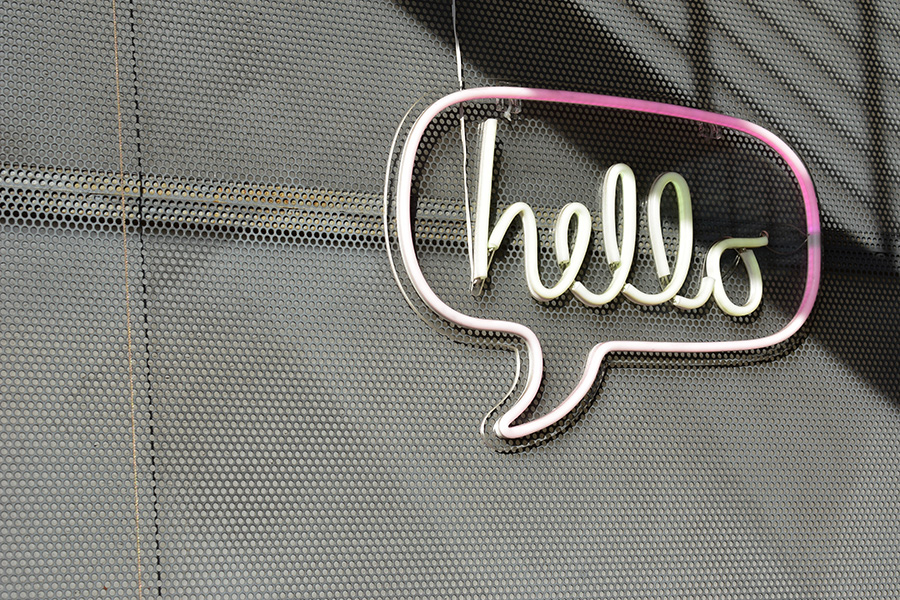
[[504, 427]]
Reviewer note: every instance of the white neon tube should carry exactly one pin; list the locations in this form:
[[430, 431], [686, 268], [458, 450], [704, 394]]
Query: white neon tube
[[713, 272], [658, 246], [620, 261], [707, 284], [488, 240], [529, 229], [480, 259]]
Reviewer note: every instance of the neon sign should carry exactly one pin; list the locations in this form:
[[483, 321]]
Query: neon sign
[[618, 253]]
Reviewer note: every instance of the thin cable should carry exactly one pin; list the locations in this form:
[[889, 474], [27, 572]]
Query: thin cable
[[134, 467], [465, 154], [384, 213], [456, 41], [506, 397], [795, 250]]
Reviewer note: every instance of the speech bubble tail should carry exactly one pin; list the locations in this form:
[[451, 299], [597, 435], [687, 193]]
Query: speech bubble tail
[[504, 427]]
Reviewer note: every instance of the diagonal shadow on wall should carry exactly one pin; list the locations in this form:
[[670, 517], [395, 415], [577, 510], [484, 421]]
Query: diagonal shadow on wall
[[548, 44]]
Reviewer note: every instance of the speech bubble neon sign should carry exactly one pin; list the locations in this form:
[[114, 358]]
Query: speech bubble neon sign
[[504, 427]]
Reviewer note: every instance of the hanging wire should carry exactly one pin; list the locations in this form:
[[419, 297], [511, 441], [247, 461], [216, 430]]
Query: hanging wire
[[462, 136]]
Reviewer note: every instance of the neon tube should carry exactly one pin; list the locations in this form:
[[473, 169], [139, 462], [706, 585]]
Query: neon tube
[[658, 247], [713, 272], [488, 240], [619, 261]]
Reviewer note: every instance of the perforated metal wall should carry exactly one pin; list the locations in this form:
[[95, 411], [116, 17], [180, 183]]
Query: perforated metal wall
[[246, 406]]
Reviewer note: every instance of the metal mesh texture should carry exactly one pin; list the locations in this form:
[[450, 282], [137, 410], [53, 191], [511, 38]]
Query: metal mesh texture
[[299, 432]]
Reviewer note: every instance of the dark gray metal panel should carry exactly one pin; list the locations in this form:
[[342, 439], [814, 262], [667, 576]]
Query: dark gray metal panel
[[67, 498], [302, 433], [59, 88]]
